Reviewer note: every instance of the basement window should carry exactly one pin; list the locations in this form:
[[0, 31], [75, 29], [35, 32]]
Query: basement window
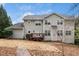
[[48, 23], [47, 32], [28, 31], [33, 31]]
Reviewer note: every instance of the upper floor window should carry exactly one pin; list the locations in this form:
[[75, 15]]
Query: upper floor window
[[45, 21], [47, 32], [29, 22], [48, 23], [60, 33], [38, 24], [68, 32], [59, 22], [32, 21]]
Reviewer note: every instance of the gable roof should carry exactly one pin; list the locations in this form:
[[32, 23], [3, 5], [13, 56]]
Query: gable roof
[[42, 17], [19, 25], [66, 17], [16, 26]]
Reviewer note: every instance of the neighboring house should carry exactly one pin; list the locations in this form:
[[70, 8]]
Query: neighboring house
[[53, 27]]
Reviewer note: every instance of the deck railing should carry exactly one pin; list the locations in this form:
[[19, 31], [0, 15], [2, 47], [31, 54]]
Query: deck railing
[[35, 36]]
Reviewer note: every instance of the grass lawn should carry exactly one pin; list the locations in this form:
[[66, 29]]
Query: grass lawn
[[42, 48]]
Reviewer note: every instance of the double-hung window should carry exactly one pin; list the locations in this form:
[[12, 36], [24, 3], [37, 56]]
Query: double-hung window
[[38, 24], [59, 32], [47, 32], [59, 22], [47, 23], [68, 32]]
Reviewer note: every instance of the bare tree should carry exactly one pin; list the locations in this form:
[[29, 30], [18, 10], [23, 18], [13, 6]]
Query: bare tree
[[75, 8], [74, 5]]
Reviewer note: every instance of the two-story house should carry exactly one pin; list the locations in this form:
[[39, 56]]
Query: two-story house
[[53, 27]]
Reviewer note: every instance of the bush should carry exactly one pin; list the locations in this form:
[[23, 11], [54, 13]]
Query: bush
[[77, 41], [77, 36], [5, 34], [77, 33]]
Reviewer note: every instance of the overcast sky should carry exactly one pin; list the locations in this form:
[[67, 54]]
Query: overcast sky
[[17, 10]]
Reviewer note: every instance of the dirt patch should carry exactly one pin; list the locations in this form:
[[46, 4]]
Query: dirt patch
[[71, 50], [44, 53], [37, 48], [7, 51]]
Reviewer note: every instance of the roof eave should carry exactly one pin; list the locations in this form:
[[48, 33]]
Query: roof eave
[[32, 19], [17, 28], [54, 14], [70, 19]]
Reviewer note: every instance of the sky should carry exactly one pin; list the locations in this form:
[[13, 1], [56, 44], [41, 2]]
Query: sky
[[18, 10]]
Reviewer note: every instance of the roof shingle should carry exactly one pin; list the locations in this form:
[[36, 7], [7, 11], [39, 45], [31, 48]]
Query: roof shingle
[[35, 17], [16, 26], [41, 17]]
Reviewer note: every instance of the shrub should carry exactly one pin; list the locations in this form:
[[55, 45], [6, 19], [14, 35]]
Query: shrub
[[77, 33], [77, 41], [5, 34]]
